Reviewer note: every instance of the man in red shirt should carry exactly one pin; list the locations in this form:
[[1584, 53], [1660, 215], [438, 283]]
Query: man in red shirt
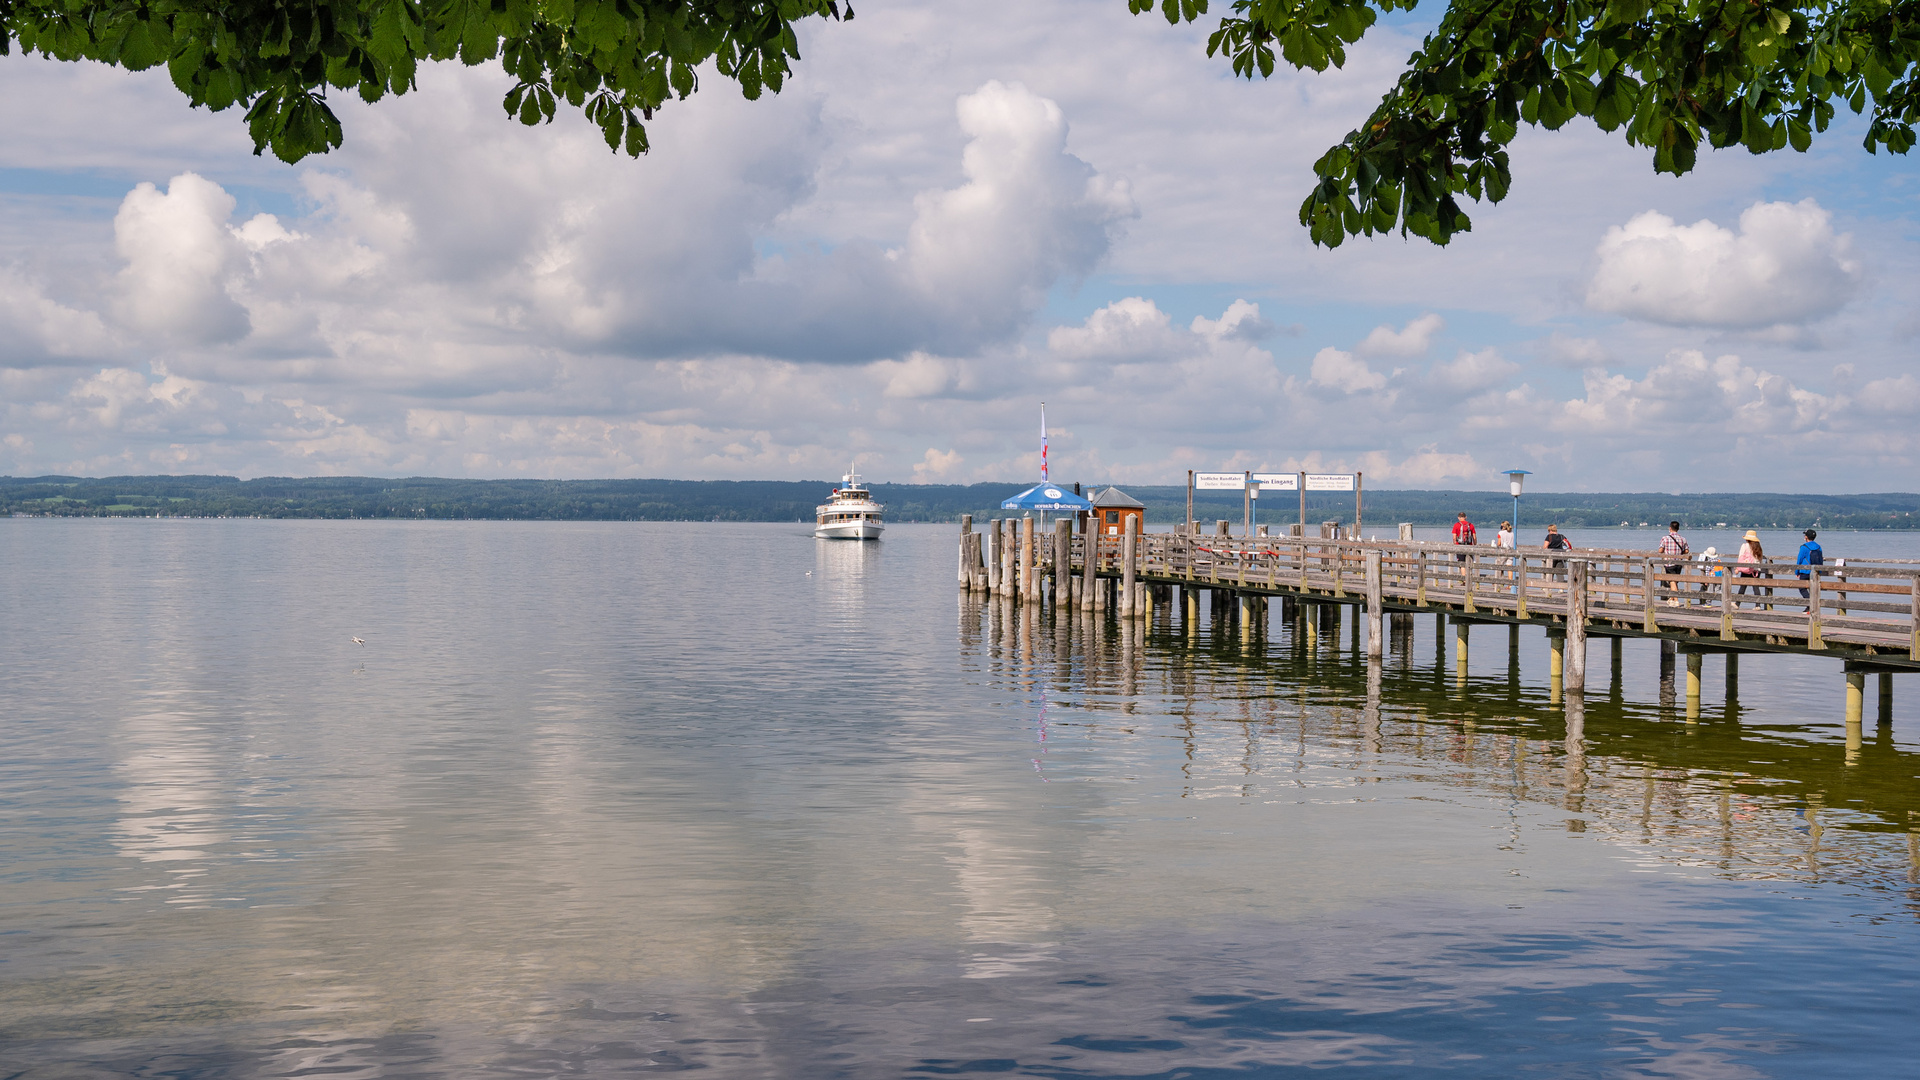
[[1464, 533]]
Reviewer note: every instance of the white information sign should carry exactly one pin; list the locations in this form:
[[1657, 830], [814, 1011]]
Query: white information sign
[[1219, 481], [1277, 481], [1329, 481]]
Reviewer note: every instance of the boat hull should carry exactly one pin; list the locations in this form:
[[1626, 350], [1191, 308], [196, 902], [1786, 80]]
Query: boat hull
[[849, 530]]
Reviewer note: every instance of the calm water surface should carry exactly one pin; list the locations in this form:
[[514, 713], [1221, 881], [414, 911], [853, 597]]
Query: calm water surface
[[600, 800]]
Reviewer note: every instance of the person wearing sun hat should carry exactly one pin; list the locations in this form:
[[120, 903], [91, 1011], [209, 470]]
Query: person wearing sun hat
[[1750, 558], [1709, 570]]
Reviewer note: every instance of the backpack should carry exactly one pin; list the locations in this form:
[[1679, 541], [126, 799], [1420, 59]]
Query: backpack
[[1468, 535]]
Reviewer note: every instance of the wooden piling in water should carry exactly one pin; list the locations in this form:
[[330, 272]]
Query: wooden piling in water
[[1062, 562], [966, 530], [1017, 569], [1694, 661], [1376, 608], [1028, 579], [996, 528], [1129, 541], [1089, 569], [1577, 624]]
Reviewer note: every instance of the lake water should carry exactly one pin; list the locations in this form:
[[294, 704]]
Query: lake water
[[607, 799]]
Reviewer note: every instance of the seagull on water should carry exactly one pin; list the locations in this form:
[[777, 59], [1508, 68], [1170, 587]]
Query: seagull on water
[[359, 641]]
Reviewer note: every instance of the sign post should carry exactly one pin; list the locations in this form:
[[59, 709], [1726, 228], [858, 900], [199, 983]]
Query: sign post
[[1188, 528]]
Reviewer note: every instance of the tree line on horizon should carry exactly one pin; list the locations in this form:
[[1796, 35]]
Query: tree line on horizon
[[343, 497]]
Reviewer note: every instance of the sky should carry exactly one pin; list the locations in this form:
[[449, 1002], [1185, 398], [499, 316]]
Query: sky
[[951, 215]]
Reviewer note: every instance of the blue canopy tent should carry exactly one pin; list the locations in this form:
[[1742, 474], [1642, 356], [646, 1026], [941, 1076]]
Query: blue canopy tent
[[1044, 496]]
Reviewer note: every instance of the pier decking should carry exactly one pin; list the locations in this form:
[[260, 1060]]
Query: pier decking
[[1866, 614]]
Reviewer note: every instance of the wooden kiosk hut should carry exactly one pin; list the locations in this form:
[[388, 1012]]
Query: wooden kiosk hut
[[1112, 508]]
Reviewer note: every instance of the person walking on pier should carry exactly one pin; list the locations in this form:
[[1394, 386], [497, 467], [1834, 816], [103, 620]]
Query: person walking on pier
[[1810, 555], [1674, 547], [1557, 541], [1750, 557], [1464, 534], [1504, 539]]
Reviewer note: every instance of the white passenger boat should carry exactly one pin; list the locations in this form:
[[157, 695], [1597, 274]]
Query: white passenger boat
[[850, 514]]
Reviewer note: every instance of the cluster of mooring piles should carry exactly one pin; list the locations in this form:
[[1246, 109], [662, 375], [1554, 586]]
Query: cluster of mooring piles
[[1865, 613]]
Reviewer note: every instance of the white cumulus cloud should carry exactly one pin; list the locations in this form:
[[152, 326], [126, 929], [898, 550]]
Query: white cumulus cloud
[[179, 253], [1412, 339], [1129, 330], [1784, 265], [1343, 371]]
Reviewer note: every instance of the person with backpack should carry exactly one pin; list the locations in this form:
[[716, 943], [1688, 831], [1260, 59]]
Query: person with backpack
[[1674, 547], [1464, 534], [1810, 555]]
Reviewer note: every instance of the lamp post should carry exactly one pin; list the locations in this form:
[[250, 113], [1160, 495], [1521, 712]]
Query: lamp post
[[1515, 478]]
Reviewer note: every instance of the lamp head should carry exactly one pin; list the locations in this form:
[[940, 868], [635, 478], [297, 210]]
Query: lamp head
[[1515, 477]]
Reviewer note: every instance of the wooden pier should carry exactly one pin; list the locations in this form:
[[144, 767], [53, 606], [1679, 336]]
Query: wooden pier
[[1865, 614]]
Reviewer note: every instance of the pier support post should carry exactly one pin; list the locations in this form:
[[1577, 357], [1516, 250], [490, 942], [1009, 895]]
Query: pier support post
[[995, 532], [1460, 650], [966, 531], [1556, 665], [1028, 585], [1856, 696], [1010, 562], [1376, 608], [1668, 651], [1694, 660], [1577, 624], [1733, 679], [1883, 699], [1089, 569], [1062, 562], [1129, 543]]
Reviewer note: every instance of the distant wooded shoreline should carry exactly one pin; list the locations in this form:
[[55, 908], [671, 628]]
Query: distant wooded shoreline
[[782, 500]]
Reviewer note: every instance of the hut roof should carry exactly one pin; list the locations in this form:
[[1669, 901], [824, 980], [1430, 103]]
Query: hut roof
[[1114, 497]]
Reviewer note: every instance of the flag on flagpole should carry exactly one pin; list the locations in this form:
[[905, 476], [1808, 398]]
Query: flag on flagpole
[[1043, 442]]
